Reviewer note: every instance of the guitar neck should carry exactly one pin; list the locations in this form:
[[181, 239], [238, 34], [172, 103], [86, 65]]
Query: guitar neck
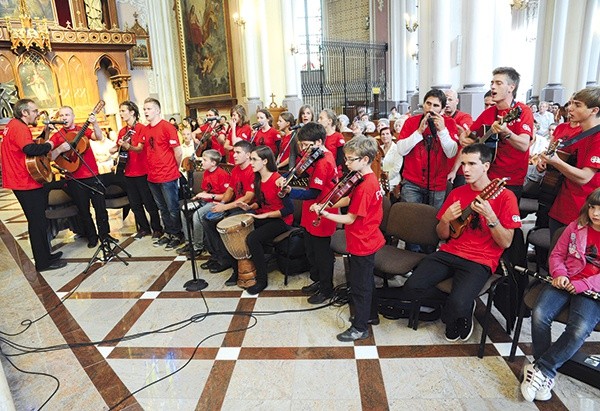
[[80, 133], [466, 213]]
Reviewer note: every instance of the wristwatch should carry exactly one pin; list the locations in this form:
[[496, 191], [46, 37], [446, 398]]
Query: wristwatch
[[492, 225], [213, 197]]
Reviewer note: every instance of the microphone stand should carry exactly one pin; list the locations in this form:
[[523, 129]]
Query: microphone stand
[[429, 141], [196, 283]]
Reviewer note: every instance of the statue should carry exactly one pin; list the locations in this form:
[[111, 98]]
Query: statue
[[93, 10]]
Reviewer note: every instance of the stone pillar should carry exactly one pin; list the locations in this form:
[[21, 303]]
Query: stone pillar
[[440, 45], [539, 53], [250, 34], [591, 79], [554, 90], [291, 100], [412, 46], [120, 83], [398, 55], [587, 39]]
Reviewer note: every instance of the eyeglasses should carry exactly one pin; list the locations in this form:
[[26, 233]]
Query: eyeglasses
[[351, 160]]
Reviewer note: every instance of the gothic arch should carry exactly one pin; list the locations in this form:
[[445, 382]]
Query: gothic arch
[[107, 63]]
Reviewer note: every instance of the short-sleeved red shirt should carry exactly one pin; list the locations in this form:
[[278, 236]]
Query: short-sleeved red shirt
[[267, 138], [270, 200], [323, 176], [477, 244], [241, 181], [363, 236], [136, 160], [14, 171], [161, 139], [463, 119], [285, 147], [242, 132], [88, 155], [215, 182]]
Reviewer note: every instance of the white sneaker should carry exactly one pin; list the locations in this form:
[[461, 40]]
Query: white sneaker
[[534, 381], [545, 392]]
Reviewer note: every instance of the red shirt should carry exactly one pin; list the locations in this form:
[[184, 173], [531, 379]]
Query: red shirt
[[509, 161], [269, 199], [416, 161], [14, 171], [241, 181], [477, 245], [214, 139], [268, 138], [363, 236], [136, 160], [160, 142], [242, 132], [463, 119], [285, 147], [565, 132], [215, 182], [323, 176], [88, 155], [332, 143], [571, 195]]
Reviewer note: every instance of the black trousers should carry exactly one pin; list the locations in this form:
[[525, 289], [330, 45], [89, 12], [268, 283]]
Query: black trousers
[[362, 290], [34, 203], [214, 244], [468, 278], [264, 231], [140, 196], [321, 259], [82, 195]]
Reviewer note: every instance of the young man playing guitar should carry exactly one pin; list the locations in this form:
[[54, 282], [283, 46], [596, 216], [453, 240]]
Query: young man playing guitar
[[514, 138], [583, 177], [87, 187], [473, 256], [18, 143]]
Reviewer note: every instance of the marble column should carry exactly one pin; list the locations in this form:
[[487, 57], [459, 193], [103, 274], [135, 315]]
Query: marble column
[[398, 55], [592, 77], [539, 65], [587, 38], [554, 90], [250, 35], [412, 62], [291, 100], [440, 45]]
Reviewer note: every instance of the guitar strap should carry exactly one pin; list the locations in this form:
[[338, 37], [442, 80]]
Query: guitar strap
[[581, 136]]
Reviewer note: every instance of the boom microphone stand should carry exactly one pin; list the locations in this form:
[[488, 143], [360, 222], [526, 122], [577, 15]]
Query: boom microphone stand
[[195, 284]]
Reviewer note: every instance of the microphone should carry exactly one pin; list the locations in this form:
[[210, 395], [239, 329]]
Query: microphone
[[297, 126], [48, 122], [256, 126], [207, 119], [432, 127]]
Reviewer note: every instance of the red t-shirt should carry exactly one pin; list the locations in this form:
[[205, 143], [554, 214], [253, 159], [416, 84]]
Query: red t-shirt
[[214, 140], [268, 138], [241, 181], [136, 160], [416, 161], [323, 176], [463, 119], [88, 155], [160, 142], [242, 132], [477, 244], [509, 161], [285, 147], [565, 132], [270, 200], [215, 182], [332, 143], [14, 171], [571, 195], [363, 236]]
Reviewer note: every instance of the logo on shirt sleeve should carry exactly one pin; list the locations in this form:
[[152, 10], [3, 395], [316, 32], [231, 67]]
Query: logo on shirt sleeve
[[526, 127], [172, 141], [516, 218], [595, 160], [318, 181]]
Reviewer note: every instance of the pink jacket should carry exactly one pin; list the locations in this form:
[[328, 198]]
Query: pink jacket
[[568, 258]]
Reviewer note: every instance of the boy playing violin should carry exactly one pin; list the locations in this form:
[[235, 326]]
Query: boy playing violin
[[363, 237]]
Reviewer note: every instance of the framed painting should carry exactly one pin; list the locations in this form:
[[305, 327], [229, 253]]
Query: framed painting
[[203, 29], [140, 53], [41, 9], [37, 81]]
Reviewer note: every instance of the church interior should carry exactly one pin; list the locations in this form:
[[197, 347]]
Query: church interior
[[125, 334]]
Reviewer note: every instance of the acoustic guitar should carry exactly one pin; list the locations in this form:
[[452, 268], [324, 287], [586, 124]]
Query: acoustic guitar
[[553, 179], [492, 190], [39, 166], [488, 137], [69, 160], [123, 155]]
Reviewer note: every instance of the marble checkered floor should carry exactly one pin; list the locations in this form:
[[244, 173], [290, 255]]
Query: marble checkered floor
[[225, 349]]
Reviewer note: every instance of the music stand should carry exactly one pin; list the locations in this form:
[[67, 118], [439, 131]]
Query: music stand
[[196, 283]]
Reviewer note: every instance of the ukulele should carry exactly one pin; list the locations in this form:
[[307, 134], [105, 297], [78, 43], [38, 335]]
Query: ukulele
[[39, 166], [69, 160], [123, 155], [489, 138], [492, 190]]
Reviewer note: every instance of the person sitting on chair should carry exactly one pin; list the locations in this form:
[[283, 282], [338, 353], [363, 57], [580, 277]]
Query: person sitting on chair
[[575, 268], [473, 256]]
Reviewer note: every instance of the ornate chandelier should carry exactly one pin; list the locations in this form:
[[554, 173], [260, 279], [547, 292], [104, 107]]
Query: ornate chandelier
[[33, 32]]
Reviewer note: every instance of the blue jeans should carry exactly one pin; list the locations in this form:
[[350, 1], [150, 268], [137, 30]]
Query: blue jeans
[[197, 229], [166, 196], [412, 193], [584, 314]]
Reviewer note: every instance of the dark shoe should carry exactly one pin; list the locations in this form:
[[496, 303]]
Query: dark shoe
[[465, 326], [370, 321], [54, 265], [352, 334], [231, 281], [157, 234], [183, 249], [256, 288], [452, 331], [197, 253], [55, 256], [176, 241], [206, 265], [92, 242], [141, 234], [311, 288], [164, 240], [319, 298], [218, 267]]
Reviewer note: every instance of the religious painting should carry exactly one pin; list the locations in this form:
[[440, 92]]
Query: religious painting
[[203, 28], [37, 9], [140, 53], [37, 81]]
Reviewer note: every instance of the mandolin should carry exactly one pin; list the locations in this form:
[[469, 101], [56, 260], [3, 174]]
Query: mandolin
[[492, 190], [69, 160], [489, 138]]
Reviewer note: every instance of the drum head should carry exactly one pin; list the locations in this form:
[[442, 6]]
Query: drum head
[[234, 223]]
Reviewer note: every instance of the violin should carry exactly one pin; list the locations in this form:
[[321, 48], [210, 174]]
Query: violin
[[341, 189], [205, 139], [309, 156]]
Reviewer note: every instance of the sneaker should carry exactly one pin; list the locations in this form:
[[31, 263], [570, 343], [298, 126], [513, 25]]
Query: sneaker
[[164, 240], [197, 253], [207, 264], [319, 298], [311, 288], [175, 242], [370, 321], [183, 249], [141, 234], [534, 381], [157, 234], [452, 331], [465, 325], [545, 392], [352, 334]]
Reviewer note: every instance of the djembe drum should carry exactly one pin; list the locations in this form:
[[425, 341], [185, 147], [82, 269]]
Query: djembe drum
[[233, 231]]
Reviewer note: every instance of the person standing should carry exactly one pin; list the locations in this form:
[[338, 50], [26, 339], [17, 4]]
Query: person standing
[[18, 143]]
